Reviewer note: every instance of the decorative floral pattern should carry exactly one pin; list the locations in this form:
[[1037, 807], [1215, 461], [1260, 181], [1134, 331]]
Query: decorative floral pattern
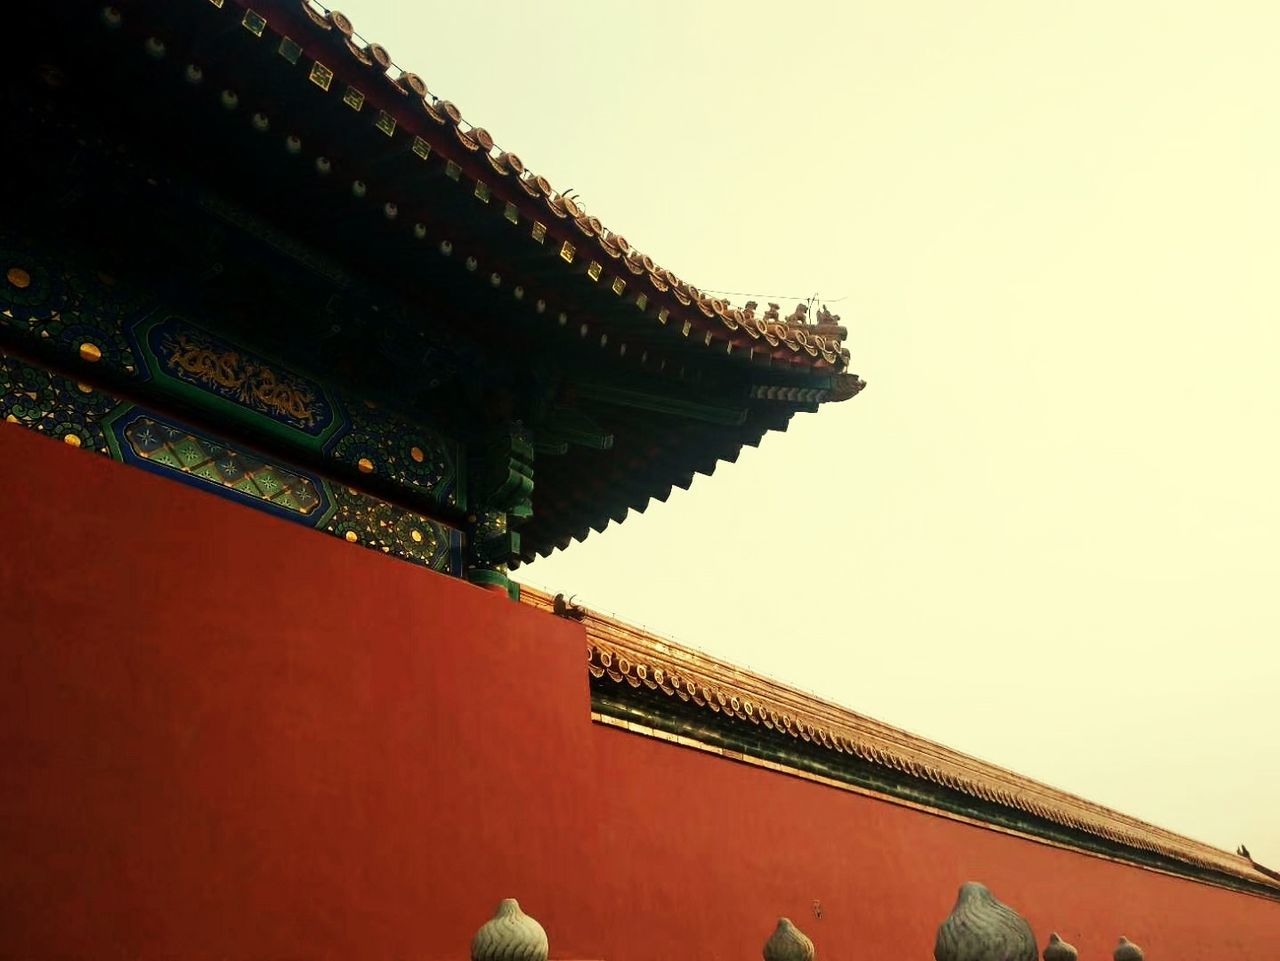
[[77, 316], [53, 404], [361, 519], [75, 313], [401, 451], [83, 416], [205, 459]]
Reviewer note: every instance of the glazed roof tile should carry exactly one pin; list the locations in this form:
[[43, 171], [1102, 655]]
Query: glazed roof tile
[[632, 657], [402, 105], [309, 82]]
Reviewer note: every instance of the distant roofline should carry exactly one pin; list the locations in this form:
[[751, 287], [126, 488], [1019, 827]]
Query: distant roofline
[[632, 659]]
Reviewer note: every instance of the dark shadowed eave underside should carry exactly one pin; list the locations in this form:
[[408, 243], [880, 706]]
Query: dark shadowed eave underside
[[579, 239], [296, 69], [648, 461], [281, 107]]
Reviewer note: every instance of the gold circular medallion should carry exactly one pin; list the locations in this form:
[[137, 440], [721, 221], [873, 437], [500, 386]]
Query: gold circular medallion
[[83, 387], [90, 352], [365, 465], [71, 440], [18, 277], [417, 455], [351, 536], [417, 536]]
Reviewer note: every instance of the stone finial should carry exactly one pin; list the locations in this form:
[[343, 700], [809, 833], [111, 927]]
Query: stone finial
[[1059, 950], [980, 928], [788, 943], [511, 935], [1126, 950]]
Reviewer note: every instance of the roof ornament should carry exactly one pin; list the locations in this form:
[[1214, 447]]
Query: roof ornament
[[1126, 950], [980, 928], [1244, 853], [828, 324], [568, 608], [788, 943], [799, 316], [510, 935], [1059, 950]]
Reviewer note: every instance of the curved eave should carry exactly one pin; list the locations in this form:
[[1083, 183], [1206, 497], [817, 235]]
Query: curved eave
[[270, 118], [401, 182], [408, 113]]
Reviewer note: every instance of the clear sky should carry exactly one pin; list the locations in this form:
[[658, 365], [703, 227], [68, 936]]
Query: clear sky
[[1046, 534]]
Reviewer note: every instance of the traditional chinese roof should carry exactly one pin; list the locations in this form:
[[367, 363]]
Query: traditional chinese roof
[[288, 126], [653, 685], [556, 222]]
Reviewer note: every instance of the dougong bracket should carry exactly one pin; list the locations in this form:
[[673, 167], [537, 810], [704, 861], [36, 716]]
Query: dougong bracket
[[502, 474], [502, 495]]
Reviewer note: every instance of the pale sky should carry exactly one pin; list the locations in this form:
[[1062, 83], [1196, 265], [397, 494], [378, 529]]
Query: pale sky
[[1046, 531]]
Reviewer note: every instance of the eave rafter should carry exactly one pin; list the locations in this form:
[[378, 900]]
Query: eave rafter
[[391, 115], [356, 162]]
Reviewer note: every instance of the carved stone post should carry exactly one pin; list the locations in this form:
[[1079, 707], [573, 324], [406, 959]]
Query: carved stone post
[[788, 943], [980, 928], [511, 935], [1059, 950], [1126, 950]]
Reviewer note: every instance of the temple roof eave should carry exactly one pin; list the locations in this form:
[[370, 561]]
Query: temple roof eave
[[558, 227]]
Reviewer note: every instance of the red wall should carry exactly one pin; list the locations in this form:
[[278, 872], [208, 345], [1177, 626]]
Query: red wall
[[225, 736]]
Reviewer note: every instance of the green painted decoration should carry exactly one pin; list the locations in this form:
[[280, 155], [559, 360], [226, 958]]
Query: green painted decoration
[[85, 319], [83, 416]]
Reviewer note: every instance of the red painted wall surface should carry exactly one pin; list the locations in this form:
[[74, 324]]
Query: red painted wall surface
[[225, 736]]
